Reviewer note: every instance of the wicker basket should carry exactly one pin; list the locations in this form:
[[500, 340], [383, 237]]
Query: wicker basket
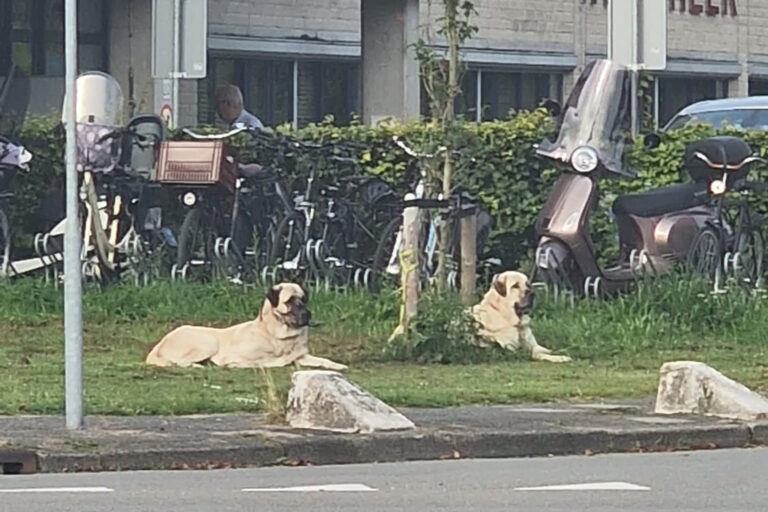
[[200, 163]]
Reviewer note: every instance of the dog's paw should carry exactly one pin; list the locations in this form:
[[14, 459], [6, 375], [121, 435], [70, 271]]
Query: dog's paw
[[556, 359], [543, 354]]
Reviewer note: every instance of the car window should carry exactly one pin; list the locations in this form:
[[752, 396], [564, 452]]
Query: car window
[[747, 119]]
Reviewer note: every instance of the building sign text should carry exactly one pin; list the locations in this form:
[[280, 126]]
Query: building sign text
[[696, 7]]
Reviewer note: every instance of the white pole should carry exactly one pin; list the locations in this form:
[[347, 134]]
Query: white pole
[[479, 97], [176, 62], [295, 94], [634, 70], [73, 292]]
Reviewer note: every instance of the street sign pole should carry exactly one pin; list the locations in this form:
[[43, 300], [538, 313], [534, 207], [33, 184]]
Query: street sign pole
[[73, 292], [179, 50], [636, 59], [176, 61], [637, 38]]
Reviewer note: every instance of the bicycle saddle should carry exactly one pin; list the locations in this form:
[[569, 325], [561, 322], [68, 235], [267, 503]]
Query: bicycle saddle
[[722, 153]]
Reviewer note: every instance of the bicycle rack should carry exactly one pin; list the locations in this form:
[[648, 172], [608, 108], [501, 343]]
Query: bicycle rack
[[593, 287], [555, 276]]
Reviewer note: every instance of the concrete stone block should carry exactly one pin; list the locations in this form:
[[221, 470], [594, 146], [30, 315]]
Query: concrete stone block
[[690, 387], [325, 400]]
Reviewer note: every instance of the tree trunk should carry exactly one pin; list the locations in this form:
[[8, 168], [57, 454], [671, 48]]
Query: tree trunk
[[449, 117]]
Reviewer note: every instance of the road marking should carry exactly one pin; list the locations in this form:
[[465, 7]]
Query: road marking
[[317, 488], [56, 489], [596, 486]]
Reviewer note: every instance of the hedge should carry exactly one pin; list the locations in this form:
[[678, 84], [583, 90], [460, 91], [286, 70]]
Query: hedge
[[498, 164]]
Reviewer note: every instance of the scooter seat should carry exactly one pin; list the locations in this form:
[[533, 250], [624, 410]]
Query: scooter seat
[[662, 200]]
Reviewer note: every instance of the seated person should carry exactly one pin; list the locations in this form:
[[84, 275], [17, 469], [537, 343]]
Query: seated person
[[229, 106]]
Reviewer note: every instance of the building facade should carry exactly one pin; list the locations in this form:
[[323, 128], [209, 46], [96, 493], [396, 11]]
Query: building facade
[[298, 61]]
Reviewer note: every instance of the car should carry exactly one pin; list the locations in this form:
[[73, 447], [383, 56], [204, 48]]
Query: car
[[750, 113]]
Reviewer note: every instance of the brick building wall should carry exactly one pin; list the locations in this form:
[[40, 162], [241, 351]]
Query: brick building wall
[[519, 33]]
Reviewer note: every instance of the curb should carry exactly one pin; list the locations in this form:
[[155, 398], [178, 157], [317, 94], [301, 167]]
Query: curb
[[325, 449]]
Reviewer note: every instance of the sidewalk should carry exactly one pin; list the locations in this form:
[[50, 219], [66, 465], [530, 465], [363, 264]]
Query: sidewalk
[[236, 440]]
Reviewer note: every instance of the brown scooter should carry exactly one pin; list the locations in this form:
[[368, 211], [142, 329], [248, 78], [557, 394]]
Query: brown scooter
[[657, 229]]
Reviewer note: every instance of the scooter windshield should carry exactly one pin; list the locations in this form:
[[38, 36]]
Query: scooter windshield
[[597, 114], [99, 100]]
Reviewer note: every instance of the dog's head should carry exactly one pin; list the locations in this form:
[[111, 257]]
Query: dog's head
[[515, 290], [289, 302]]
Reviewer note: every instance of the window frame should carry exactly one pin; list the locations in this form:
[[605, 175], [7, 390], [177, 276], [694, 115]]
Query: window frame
[[38, 37]]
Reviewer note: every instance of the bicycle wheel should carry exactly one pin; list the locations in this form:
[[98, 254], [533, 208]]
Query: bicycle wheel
[[195, 243], [5, 245], [705, 254], [338, 259], [253, 242], [751, 251], [288, 246], [386, 261]]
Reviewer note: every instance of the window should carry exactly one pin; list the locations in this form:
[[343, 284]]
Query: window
[[324, 88], [269, 89], [328, 89], [503, 92], [676, 93], [758, 87], [466, 102], [35, 42], [499, 93]]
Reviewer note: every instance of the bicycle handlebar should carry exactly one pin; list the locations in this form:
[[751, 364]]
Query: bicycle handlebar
[[214, 136], [411, 152]]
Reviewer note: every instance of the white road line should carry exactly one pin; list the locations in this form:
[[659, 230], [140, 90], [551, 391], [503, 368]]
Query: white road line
[[596, 486], [317, 488], [56, 489]]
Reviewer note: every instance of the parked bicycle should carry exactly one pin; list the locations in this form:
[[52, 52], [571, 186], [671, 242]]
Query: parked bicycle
[[434, 212], [731, 245], [13, 158]]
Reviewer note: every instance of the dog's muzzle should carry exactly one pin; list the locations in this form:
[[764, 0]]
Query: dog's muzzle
[[303, 318], [525, 306]]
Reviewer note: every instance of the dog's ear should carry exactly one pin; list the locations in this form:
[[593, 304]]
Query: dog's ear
[[499, 286], [305, 289], [273, 296]]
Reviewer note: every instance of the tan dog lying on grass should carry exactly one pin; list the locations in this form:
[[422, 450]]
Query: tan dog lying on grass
[[278, 337], [503, 316]]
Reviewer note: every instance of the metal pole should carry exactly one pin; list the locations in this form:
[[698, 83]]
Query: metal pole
[[176, 61], [656, 103], [295, 94], [73, 292], [479, 97], [634, 72]]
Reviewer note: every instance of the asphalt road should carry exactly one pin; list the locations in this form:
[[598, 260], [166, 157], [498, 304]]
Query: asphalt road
[[722, 480]]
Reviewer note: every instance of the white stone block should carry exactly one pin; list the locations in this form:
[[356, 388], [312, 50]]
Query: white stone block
[[690, 387], [325, 400]]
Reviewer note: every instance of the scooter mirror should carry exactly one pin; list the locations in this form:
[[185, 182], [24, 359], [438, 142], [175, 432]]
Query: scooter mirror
[[552, 106], [651, 141]]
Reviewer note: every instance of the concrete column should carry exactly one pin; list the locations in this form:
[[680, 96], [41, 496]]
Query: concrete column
[[390, 72], [580, 34], [740, 86], [130, 47]]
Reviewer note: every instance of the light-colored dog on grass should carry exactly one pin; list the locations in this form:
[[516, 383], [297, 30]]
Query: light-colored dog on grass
[[503, 316], [277, 337]]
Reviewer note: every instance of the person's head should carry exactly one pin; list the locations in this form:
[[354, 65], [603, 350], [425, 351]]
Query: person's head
[[229, 103]]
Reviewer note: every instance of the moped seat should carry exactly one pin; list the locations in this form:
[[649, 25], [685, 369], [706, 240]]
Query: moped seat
[[662, 200]]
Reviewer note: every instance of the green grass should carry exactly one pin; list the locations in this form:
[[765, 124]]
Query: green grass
[[618, 347]]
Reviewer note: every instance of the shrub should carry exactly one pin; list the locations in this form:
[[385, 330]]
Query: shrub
[[443, 331], [499, 166]]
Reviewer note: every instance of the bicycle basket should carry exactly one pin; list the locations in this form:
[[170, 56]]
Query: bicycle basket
[[94, 153]]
